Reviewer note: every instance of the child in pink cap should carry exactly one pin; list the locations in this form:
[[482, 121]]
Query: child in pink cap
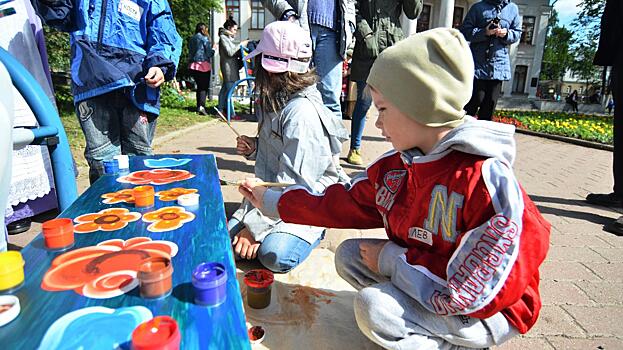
[[296, 142]]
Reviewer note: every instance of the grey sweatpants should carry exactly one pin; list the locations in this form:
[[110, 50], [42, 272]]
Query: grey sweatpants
[[394, 320]]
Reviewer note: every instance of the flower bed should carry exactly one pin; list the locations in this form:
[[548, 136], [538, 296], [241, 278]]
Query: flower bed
[[587, 127]]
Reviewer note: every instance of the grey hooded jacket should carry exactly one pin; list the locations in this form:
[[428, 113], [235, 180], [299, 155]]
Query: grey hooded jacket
[[227, 49], [346, 17], [295, 145]]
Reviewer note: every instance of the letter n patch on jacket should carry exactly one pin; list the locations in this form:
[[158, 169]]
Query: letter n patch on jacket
[[442, 213]]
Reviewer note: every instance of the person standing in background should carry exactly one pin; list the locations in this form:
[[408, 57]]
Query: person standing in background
[[490, 26], [378, 27], [331, 24], [228, 49], [120, 55], [610, 53], [200, 52]]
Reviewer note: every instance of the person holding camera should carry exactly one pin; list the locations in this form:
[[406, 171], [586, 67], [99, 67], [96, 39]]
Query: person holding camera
[[490, 26]]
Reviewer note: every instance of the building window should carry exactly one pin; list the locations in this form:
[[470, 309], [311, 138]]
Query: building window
[[257, 14], [568, 89], [457, 17], [232, 8], [423, 22], [527, 29], [519, 79]]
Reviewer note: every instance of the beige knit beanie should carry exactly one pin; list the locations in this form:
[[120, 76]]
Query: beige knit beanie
[[427, 76]]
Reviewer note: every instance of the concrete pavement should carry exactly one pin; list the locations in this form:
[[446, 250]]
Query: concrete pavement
[[582, 278]]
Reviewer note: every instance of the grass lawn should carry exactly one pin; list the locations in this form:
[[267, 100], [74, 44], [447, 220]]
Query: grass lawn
[[588, 127]]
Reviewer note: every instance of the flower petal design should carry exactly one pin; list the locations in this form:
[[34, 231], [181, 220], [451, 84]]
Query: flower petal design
[[106, 270], [167, 218], [105, 220], [155, 177]]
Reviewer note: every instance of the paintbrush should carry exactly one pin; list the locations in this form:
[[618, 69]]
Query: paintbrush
[[231, 127], [259, 183]]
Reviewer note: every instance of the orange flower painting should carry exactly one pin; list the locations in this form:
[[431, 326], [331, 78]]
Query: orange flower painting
[[156, 177], [167, 219], [120, 196], [172, 194], [105, 220], [106, 270]]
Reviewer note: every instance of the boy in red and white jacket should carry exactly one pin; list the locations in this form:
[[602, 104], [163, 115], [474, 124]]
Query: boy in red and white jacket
[[460, 267]]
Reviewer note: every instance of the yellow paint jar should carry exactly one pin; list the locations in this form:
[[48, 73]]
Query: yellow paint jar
[[11, 270]]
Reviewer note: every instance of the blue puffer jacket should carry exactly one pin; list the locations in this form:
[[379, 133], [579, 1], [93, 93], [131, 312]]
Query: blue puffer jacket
[[114, 43], [491, 59]]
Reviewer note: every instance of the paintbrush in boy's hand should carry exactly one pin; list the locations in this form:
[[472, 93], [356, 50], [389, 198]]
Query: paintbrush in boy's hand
[[259, 183]]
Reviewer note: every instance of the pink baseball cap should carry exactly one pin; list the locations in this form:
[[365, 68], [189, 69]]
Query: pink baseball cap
[[283, 43]]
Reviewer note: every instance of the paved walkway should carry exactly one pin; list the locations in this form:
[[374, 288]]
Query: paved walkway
[[582, 278]]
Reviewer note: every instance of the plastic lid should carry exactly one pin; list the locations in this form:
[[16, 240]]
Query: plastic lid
[[123, 160], [188, 199], [10, 261], [259, 278], [143, 191], [57, 226], [9, 308], [209, 275], [161, 332], [155, 269]]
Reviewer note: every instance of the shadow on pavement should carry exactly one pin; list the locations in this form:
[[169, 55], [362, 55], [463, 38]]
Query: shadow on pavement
[[225, 150], [228, 164], [594, 218]]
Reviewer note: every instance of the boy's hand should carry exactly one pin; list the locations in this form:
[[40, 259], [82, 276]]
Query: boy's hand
[[370, 252], [501, 32], [245, 245], [245, 145], [154, 77], [255, 194]]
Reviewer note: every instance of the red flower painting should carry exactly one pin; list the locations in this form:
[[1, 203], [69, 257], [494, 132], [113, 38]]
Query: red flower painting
[[155, 177]]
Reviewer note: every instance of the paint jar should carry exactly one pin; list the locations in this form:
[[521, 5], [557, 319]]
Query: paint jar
[[259, 284], [143, 196], [209, 283], [256, 334], [111, 166], [123, 161], [159, 333], [58, 233], [188, 200], [155, 277], [11, 270], [9, 308]]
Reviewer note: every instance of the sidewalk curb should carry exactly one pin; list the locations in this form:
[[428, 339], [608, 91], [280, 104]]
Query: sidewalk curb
[[169, 136], [566, 139]]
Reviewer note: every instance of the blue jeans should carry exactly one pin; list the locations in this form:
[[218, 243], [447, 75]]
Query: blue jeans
[[112, 125], [359, 115], [222, 96], [279, 252], [328, 65]]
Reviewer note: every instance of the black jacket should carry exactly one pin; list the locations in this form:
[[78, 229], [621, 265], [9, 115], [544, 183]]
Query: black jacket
[[610, 45]]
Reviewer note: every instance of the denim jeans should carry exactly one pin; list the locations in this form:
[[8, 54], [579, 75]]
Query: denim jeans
[[359, 115], [112, 125], [328, 65], [222, 96], [279, 252]]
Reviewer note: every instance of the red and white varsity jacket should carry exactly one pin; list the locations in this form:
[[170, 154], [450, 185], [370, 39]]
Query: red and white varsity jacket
[[467, 239]]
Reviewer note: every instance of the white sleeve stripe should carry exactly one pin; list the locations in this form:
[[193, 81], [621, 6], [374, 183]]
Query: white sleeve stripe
[[426, 272]]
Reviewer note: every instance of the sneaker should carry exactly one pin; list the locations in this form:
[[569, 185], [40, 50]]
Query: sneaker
[[354, 157], [202, 111], [615, 227], [605, 199]]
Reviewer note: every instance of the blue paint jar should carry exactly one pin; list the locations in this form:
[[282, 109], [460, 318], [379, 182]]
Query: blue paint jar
[[209, 284], [111, 166]]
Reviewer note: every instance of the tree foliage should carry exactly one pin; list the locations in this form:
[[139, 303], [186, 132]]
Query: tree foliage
[[586, 31], [556, 56]]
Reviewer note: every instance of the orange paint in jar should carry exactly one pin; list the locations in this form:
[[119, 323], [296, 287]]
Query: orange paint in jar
[[143, 196], [58, 233]]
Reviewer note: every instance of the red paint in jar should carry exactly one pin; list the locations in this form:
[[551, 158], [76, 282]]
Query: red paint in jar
[[58, 233], [159, 333]]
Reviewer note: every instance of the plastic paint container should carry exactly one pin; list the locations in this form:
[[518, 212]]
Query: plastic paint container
[[111, 166], [259, 284], [188, 200], [9, 308], [143, 196], [58, 233], [155, 276], [123, 161], [209, 284], [256, 334], [159, 333], [11, 270]]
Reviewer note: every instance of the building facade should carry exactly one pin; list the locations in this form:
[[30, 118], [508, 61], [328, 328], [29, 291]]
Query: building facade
[[526, 56]]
